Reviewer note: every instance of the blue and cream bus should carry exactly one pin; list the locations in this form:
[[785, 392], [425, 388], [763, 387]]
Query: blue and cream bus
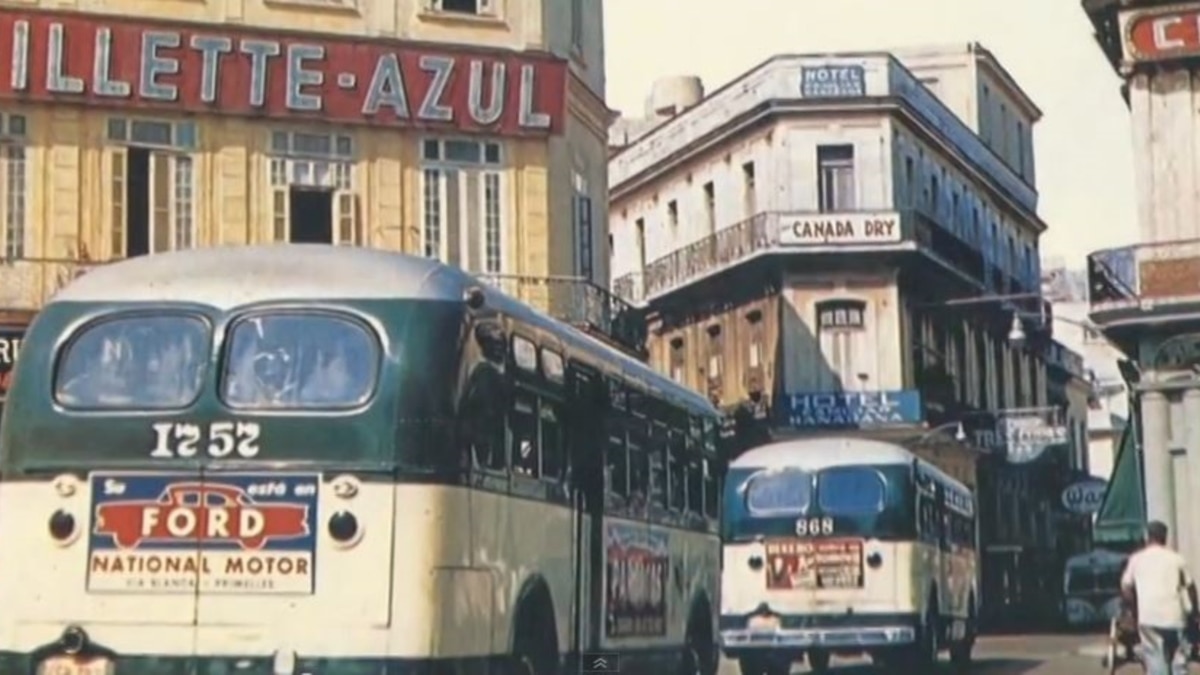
[[311, 459], [843, 545]]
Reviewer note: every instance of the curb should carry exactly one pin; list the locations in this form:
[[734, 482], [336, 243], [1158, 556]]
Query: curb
[[1096, 650]]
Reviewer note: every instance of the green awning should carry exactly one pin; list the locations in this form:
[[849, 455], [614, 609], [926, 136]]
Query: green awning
[[1122, 515]]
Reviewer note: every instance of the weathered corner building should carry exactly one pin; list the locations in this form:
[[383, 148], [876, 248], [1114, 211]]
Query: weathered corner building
[[1146, 298], [795, 237]]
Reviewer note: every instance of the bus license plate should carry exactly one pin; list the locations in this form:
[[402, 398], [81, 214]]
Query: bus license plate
[[70, 665]]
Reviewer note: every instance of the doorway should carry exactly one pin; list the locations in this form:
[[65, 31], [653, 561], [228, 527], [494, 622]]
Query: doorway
[[311, 215], [137, 200]]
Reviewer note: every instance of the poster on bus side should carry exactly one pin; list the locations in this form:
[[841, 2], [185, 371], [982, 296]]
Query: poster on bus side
[[637, 565]]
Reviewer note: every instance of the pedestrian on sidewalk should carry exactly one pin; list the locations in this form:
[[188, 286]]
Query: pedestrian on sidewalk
[[1153, 580]]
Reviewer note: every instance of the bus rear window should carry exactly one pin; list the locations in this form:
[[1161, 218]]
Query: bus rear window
[[774, 493], [142, 362], [299, 361], [851, 491]]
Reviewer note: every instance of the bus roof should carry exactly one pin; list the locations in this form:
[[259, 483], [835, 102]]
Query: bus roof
[[229, 276], [812, 454]]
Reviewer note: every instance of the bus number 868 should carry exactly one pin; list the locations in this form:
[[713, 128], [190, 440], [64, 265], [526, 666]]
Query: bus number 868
[[812, 527]]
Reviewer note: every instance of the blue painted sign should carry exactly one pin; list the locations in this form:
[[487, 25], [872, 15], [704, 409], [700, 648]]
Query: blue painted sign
[[833, 82], [172, 532], [852, 410]]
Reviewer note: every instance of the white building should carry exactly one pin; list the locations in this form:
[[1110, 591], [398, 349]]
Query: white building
[[797, 236], [1109, 411]]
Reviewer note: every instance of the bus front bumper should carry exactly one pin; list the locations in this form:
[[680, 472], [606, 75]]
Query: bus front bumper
[[830, 632]]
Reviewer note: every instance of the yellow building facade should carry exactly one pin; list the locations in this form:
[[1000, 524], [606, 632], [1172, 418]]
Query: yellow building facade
[[469, 130]]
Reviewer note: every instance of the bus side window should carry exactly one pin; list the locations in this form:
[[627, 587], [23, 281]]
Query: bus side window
[[676, 471], [656, 456], [554, 457], [712, 491], [639, 458], [616, 468], [695, 489], [523, 435]]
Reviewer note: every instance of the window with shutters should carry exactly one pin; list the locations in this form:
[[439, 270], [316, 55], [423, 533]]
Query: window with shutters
[[835, 178], [14, 180], [463, 210], [153, 185], [315, 196], [841, 328], [584, 232]]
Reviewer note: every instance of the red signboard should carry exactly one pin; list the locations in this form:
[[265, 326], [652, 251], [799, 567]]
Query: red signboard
[[76, 58], [1154, 36]]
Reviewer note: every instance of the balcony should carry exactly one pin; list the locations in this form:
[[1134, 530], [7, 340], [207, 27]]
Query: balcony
[[1158, 277], [775, 232], [27, 283], [581, 303], [767, 232]]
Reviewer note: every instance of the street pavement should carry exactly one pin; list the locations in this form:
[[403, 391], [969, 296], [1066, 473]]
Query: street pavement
[[1057, 654]]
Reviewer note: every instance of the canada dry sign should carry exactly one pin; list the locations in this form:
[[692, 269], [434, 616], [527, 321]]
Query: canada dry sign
[[839, 228]]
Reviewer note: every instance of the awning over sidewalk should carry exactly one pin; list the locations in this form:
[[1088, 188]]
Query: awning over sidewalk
[[1122, 515]]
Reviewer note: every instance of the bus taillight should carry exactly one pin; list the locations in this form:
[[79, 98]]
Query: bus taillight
[[62, 527], [344, 529]]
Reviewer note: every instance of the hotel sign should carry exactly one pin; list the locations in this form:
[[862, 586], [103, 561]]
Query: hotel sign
[[108, 61], [1156, 35], [822, 229], [833, 82], [851, 410]]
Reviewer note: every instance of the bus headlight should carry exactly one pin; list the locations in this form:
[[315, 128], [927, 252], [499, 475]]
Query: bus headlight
[[62, 527], [344, 529]]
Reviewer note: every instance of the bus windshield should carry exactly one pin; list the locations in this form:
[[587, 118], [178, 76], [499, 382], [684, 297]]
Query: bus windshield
[[864, 500]]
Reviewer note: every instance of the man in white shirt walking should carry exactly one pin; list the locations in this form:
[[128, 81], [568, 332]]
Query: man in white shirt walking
[[1156, 576]]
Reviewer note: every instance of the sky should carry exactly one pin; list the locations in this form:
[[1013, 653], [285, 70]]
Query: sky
[[1082, 146]]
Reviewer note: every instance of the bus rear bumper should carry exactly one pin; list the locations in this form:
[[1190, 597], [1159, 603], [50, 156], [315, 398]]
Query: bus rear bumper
[[835, 632]]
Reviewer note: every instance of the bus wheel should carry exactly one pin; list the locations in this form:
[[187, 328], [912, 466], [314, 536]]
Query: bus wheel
[[698, 652], [818, 661], [535, 649], [752, 665], [925, 653], [960, 651]]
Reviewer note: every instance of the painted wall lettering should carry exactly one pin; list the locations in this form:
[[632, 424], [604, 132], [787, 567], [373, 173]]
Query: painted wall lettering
[[1156, 35], [219, 439], [66, 58], [10, 348]]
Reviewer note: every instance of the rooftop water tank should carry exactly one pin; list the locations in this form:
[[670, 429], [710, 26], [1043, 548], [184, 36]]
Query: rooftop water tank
[[670, 96]]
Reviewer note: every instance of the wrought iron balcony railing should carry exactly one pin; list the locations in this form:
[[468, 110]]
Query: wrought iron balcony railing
[[580, 302], [1148, 275], [27, 283]]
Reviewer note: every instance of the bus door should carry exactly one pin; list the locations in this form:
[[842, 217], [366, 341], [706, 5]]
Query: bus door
[[587, 441]]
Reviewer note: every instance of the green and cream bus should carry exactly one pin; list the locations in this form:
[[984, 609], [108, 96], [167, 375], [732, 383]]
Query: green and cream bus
[[845, 546], [321, 460]]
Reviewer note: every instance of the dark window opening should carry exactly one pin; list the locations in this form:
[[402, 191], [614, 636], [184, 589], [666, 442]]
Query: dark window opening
[[137, 197], [462, 6], [311, 215]]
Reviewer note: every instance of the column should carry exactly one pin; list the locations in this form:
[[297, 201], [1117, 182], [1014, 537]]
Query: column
[[1191, 444], [1156, 436]]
